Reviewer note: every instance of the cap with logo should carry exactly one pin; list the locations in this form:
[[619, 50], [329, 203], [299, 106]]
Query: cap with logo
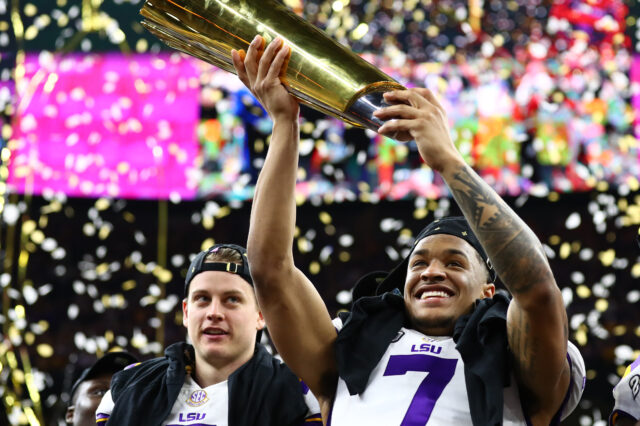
[[200, 264]]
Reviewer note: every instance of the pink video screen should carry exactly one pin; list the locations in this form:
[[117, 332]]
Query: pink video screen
[[106, 125]]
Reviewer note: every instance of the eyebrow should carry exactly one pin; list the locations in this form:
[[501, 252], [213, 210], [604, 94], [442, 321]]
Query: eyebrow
[[450, 251], [232, 292]]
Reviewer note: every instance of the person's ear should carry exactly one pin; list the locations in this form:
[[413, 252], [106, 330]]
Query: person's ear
[[69, 414], [261, 321], [488, 290], [185, 313]]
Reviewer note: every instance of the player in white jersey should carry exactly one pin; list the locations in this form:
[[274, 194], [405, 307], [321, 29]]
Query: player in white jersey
[[415, 366], [225, 377], [626, 393], [443, 289]]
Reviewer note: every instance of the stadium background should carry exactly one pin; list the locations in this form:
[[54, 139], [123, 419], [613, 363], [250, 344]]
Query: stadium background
[[120, 159]]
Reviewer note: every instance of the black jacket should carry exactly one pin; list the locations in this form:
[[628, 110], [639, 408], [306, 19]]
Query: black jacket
[[262, 392]]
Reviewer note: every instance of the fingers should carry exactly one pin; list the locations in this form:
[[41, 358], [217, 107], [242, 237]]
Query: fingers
[[280, 62], [237, 57], [408, 97], [431, 97], [260, 63], [267, 58], [396, 111], [273, 60], [253, 56], [399, 130], [416, 98]]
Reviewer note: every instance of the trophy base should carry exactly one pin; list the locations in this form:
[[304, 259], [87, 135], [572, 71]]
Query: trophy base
[[363, 108], [359, 114]]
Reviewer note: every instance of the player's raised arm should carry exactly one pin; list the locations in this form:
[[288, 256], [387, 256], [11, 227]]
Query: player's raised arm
[[296, 316], [537, 320]]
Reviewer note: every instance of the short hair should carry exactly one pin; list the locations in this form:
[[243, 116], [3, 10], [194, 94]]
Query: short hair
[[224, 254]]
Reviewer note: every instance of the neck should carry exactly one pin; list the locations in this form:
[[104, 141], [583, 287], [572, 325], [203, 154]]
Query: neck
[[435, 332], [209, 372], [442, 327]]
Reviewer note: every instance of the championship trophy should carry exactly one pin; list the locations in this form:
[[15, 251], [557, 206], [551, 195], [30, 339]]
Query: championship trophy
[[321, 73]]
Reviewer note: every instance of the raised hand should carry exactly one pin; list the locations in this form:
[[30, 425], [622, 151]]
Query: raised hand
[[261, 70], [416, 114]]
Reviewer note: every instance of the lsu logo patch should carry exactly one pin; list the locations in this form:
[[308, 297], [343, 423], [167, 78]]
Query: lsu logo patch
[[197, 398], [634, 384]]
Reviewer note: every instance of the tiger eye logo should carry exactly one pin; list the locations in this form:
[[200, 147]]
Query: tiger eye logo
[[634, 384], [197, 398]]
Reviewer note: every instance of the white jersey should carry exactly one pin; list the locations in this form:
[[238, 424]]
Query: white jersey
[[626, 394], [196, 406], [420, 381]]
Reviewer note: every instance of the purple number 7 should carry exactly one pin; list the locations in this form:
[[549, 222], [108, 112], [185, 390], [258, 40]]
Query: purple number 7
[[439, 374]]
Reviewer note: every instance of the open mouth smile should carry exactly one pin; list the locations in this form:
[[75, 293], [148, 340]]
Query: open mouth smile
[[428, 292]]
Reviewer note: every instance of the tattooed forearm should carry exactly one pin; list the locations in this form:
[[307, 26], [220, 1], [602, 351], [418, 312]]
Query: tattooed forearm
[[486, 211], [531, 363], [515, 251], [522, 348], [524, 351]]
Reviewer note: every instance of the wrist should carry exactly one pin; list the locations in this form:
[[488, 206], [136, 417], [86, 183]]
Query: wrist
[[451, 165], [285, 122]]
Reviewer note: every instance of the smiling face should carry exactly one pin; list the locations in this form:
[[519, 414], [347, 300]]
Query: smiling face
[[445, 275], [222, 318]]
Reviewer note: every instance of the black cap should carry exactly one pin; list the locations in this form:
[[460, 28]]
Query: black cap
[[452, 225], [198, 265], [108, 364]]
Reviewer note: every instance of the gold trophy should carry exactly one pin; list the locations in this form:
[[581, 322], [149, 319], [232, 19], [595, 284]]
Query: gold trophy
[[321, 73]]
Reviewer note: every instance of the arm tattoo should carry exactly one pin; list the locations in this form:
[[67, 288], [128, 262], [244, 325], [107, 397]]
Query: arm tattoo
[[521, 345], [528, 359], [514, 250], [518, 258]]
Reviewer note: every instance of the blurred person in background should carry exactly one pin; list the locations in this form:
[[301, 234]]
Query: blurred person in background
[[626, 411], [93, 383]]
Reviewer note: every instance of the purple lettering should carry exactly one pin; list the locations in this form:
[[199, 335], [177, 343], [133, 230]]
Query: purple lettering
[[439, 373], [189, 417], [425, 347]]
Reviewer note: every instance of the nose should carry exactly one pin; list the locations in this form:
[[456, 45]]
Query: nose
[[215, 311], [433, 273]]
